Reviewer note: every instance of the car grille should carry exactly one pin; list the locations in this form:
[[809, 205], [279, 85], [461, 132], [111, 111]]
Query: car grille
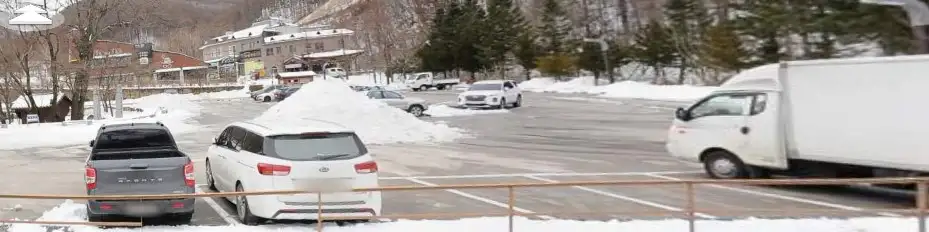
[[475, 98]]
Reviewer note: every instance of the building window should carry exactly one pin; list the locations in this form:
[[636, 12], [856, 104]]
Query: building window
[[320, 46], [292, 48], [269, 52], [278, 50], [342, 42]]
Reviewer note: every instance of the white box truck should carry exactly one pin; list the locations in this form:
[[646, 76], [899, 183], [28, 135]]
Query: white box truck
[[837, 118], [425, 80]]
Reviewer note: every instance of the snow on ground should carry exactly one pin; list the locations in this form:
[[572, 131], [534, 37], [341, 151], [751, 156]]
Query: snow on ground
[[376, 79], [625, 89], [73, 212], [173, 110], [440, 110], [374, 121]]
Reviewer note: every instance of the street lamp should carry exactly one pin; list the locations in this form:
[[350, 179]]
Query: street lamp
[[603, 48], [917, 12]]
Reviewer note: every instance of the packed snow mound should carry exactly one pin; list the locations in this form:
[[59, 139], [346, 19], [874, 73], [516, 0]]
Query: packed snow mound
[[70, 211], [624, 89], [374, 121], [447, 111]]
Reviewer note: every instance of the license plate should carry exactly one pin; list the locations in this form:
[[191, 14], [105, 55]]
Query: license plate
[[141, 209]]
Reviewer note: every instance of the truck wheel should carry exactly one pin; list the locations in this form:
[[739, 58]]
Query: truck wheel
[[723, 165], [242, 209], [440, 87], [519, 101]]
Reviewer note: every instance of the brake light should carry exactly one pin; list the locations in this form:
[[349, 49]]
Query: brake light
[[90, 177], [189, 174], [273, 170], [366, 167]]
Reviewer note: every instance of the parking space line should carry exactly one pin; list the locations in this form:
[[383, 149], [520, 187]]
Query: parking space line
[[565, 174], [481, 199], [782, 197], [219, 209], [625, 198]]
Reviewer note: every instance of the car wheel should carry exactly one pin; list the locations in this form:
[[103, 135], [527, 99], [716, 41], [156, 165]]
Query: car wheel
[[416, 110], [441, 87], [242, 209], [423, 87], [519, 101], [502, 103], [267, 99], [92, 217], [209, 176], [724, 165]]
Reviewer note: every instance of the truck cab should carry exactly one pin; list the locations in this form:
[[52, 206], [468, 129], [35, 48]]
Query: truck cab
[[425, 80]]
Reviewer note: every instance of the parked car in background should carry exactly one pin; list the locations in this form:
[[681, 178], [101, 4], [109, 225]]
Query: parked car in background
[[336, 72], [364, 88], [286, 92], [491, 94], [266, 93], [424, 81], [415, 106], [253, 156]]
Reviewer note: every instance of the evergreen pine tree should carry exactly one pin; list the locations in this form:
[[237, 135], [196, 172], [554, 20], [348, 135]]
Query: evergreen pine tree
[[503, 24], [555, 28], [433, 55], [527, 51], [653, 47], [765, 22], [723, 50], [471, 37]]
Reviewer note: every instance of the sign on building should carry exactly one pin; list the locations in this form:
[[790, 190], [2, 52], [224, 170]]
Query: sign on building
[[32, 118]]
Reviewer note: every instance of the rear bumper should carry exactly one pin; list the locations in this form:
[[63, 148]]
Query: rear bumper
[[271, 207], [162, 207]]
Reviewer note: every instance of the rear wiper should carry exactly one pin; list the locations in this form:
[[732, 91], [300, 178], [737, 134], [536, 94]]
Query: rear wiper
[[331, 156]]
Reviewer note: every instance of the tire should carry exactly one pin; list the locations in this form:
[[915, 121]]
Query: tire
[[182, 218], [244, 212], [416, 110], [519, 101], [725, 165], [440, 87], [423, 87], [267, 99], [92, 217], [210, 182], [502, 103]]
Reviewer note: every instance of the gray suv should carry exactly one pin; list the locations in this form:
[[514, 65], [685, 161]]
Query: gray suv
[[138, 159]]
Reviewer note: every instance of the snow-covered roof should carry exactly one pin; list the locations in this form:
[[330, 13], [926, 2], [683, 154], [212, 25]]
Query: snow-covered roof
[[254, 31], [30, 18], [307, 35], [340, 52], [113, 55], [41, 100], [296, 74], [179, 69]]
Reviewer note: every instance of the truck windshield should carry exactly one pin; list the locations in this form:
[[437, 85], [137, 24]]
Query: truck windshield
[[133, 138], [323, 146], [486, 87]]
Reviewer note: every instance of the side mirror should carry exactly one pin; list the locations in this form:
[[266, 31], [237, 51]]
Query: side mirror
[[216, 141], [682, 114], [91, 143]]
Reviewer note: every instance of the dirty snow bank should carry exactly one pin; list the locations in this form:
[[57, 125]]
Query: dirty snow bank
[[71, 211], [625, 89], [374, 121]]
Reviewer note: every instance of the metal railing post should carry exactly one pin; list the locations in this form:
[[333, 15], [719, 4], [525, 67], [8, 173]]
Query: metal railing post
[[922, 189], [691, 205], [319, 211], [511, 204]]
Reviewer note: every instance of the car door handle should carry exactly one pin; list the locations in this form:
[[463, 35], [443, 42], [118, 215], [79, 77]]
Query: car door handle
[[744, 130]]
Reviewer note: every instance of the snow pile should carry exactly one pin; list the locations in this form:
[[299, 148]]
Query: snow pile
[[374, 121], [174, 110], [447, 111], [376, 79], [71, 212], [625, 89]]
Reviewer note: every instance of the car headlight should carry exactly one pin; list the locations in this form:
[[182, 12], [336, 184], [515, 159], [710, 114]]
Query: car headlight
[[493, 99]]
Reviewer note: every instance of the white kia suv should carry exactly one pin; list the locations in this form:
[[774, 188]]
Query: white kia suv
[[491, 94], [252, 156]]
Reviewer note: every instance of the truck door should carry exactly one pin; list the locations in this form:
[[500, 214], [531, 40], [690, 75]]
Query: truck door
[[714, 122], [764, 132]]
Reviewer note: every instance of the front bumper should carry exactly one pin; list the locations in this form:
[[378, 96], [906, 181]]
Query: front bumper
[[123, 208]]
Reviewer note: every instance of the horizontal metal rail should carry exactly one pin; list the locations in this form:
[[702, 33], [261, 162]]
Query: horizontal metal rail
[[689, 213]]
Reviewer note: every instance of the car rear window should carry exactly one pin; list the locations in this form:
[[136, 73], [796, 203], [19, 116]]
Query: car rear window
[[321, 146], [133, 139]]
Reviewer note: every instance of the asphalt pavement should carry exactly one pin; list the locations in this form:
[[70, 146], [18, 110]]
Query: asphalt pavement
[[552, 138]]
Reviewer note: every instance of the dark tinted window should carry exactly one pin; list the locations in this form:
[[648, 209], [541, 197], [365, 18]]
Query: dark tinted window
[[235, 138], [223, 139], [324, 146], [253, 143], [508, 85], [134, 138], [392, 95], [759, 104], [486, 87]]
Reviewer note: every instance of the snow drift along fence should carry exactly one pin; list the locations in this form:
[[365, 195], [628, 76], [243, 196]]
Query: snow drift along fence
[[690, 212]]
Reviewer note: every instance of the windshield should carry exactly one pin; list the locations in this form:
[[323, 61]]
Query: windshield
[[486, 87], [133, 138], [326, 146]]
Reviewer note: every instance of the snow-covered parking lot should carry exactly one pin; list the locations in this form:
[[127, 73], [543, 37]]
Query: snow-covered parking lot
[[552, 138]]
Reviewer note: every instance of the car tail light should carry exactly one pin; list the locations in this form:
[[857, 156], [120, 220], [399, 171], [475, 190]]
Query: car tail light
[[366, 167], [189, 174], [273, 170], [90, 177]]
